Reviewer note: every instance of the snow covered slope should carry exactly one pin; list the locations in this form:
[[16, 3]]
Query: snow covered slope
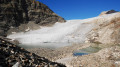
[[73, 31]]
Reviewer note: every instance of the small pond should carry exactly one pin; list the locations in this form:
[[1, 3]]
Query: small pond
[[86, 51]]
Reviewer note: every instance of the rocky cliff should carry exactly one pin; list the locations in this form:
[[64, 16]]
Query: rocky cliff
[[13, 13]]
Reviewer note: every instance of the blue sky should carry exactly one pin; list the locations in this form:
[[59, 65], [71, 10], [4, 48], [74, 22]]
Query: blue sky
[[81, 9]]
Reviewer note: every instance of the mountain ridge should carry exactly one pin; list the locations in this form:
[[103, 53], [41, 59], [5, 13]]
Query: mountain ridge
[[13, 13]]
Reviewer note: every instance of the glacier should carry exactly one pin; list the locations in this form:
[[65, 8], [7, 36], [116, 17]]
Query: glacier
[[72, 31]]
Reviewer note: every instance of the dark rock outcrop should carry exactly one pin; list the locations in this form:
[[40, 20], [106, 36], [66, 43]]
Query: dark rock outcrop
[[13, 13], [108, 12], [111, 11], [14, 56]]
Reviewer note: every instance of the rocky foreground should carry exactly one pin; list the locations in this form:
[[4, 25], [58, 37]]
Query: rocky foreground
[[108, 56], [14, 56], [55, 54]]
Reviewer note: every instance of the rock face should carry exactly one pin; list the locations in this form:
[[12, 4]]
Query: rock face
[[14, 56], [106, 31], [13, 13]]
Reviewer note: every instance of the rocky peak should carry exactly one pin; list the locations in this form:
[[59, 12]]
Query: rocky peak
[[16, 12], [108, 12], [111, 11]]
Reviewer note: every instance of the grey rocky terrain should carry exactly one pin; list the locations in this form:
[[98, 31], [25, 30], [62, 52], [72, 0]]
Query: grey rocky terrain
[[108, 56], [54, 54]]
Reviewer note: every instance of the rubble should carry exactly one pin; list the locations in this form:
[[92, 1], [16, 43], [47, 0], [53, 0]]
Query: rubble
[[12, 55]]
